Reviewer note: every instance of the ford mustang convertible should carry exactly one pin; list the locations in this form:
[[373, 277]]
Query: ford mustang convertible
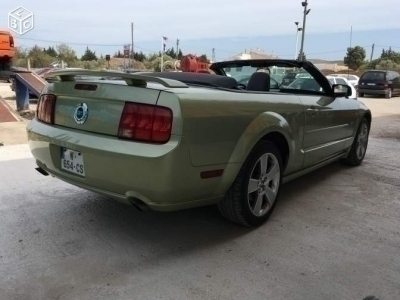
[[171, 140]]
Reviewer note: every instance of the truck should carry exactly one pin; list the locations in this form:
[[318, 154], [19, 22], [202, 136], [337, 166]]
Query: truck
[[7, 52]]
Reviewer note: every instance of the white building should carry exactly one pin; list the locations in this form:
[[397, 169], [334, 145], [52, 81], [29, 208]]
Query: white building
[[252, 54]]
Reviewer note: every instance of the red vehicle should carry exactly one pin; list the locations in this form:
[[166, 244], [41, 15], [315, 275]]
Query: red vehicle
[[193, 64], [7, 51], [7, 48]]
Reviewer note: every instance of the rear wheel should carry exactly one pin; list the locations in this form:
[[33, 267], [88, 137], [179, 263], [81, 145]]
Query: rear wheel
[[360, 144], [254, 194]]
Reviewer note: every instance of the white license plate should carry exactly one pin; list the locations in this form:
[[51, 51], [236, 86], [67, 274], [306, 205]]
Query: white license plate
[[72, 161], [370, 83]]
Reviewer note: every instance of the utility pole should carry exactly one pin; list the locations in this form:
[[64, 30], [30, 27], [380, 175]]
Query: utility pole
[[177, 48], [372, 52], [351, 40], [133, 50], [305, 13], [297, 38], [213, 56]]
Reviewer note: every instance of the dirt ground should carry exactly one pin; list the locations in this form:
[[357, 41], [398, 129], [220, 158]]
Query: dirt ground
[[385, 116]]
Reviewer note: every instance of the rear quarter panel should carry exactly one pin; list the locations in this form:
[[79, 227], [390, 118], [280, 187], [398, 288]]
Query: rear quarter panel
[[222, 127]]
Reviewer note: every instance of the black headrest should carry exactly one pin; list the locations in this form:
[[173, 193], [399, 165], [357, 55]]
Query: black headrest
[[259, 81]]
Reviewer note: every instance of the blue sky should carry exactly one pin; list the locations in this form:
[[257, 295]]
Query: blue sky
[[229, 26]]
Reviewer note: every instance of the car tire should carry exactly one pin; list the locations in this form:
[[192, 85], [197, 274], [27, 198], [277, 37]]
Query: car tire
[[389, 94], [261, 172], [360, 95], [359, 146]]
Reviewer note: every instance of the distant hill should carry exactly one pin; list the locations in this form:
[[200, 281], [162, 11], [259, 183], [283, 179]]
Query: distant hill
[[321, 61]]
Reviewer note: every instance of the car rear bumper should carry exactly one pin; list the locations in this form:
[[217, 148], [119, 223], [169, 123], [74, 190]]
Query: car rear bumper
[[372, 92], [161, 176]]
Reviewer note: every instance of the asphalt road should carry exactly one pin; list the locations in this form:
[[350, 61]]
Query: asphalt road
[[335, 234]]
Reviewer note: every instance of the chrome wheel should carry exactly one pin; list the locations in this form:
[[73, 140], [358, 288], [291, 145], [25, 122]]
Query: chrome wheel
[[362, 141], [263, 184]]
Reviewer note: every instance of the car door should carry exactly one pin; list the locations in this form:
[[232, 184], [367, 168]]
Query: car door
[[326, 125]]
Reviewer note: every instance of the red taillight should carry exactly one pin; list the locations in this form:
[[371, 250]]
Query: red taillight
[[148, 123], [11, 42], [45, 108]]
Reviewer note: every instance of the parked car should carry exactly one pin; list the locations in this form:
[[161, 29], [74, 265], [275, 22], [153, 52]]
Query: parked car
[[292, 76], [344, 81], [379, 82], [352, 79], [169, 141], [58, 64]]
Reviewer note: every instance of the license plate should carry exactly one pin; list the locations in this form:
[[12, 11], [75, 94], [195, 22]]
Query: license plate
[[370, 83], [72, 161]]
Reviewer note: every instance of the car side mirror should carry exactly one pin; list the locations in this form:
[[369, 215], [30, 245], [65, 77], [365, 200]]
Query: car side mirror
[[340, 90]]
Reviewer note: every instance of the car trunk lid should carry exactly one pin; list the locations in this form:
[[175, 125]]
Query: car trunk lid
[[94, 105]]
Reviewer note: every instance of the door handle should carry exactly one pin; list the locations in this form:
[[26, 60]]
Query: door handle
[[312, 110]]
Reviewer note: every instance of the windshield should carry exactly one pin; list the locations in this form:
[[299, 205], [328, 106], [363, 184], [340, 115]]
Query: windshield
[[280, 77], [375, 76]]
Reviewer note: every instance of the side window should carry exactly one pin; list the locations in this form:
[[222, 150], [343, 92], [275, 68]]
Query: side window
[[302, 81], [305, 84]]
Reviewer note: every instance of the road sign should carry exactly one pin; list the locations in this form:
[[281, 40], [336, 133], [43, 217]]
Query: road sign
[[126, 50]]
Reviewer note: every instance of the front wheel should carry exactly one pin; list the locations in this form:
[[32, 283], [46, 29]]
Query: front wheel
[[360, 144], [254, 193]]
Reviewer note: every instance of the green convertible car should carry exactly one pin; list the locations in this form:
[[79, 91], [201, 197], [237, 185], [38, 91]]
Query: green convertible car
[[173, 140]]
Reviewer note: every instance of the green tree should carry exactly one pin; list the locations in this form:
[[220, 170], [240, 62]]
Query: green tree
[[139, 56], [20, 53], [51, 51], [118, 54], [180, 54], [171, 53], [89, 55], [387, 64], [154, 62], [391, 55], [355, 57], [204, 58], [39, 58], [67, 54]]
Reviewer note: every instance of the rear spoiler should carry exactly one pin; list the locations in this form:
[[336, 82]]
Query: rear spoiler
[[132, 79]]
